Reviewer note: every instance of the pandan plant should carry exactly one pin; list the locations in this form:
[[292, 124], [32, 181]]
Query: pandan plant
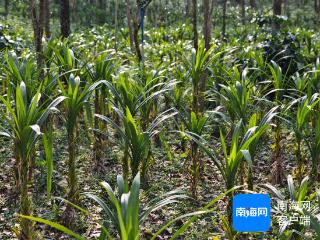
[[194, 125], [278, 84], [102, 68], [291, 205], [24, 120], [301, 124], [123, 207], [77, 94], [129, 98], [136, 142], [233, 156]]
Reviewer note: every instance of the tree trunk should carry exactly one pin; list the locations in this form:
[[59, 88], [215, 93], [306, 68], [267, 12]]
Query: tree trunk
[[102, 11], [37, 24], [195, 23], [129, 20], [116, 3], [224, 13], [243, 12], [136, 26], [253, 3], [277, 7], [207, 23], [207, 10], [64, 18], [6, 7], [136, 40], [317, 6], [188, 8], [47, 18]]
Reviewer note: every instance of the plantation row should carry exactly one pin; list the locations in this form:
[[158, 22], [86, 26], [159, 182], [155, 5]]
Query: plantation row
[[221, 106]]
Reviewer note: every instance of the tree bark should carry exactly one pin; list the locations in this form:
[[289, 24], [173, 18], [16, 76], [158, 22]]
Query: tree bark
[[207, 23], [47, 18], [195, 23], [6, 7], [207, 26], [317, 6], [102, 8], [136, 40], [37, 24], [243, 11], [277, 9], [136, 26], [116, 24], [253, 3], [224, 13], [188, 8], [129, 20], [64, 18]]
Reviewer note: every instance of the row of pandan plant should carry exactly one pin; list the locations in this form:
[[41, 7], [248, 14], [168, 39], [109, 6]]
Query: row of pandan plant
[[220, 111]]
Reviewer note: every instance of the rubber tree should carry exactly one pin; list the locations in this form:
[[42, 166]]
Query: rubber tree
[[243, 11], [317, 6], [6, 7], [129, 22], [37, 17], [64, 18], [253, 3], [207, 28], [277, 10], [195, 23], [134, 24], [47, 18], [188, 3], [224, 16]]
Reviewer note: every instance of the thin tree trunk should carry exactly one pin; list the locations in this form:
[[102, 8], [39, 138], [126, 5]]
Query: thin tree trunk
[[102, 6], [64, 18], [47, 18], [243, 12], [116, 24], [277, 9], [195, 23], [6, 7], [188, 8], [136, 26], [207, 23], [207, 26], [253, 3], [224, 12], [136, 41], [286, 7], [317, 6], [129, 20], [37, 23]]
